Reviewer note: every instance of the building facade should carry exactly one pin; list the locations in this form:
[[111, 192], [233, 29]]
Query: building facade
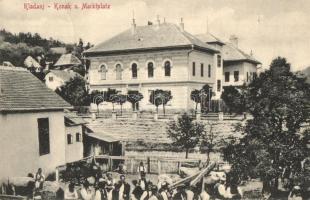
[[146, 58], [31, 124], [239, 68], [57, 78]]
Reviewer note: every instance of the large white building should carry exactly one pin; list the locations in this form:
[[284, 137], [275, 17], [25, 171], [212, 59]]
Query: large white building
[[238, 67], [158, 56]]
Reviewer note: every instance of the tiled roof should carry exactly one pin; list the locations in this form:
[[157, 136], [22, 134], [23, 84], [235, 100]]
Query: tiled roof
[[231, 53], [22, 91], [67, 59], [102, 136], [165, 35], [209, 38], [72, 119], [64, 75]]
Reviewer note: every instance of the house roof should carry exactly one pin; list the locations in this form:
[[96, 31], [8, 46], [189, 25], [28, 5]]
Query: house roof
[[102, 136], [31, 62], [67, 59], [229, 51], [64, 75], [161, 36], [22, 91], [209, 38], [232, 53], [58, 50], [72, 119]]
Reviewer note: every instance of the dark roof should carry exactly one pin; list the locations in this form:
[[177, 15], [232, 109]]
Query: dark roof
[[22, 91], [72, 119], [161, 36], [209, 38], [67, 59], [64, 75], [102, 136], [232, 53]]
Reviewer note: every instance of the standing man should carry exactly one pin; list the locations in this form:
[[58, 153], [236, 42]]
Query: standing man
[[122, 189], [141, 169]]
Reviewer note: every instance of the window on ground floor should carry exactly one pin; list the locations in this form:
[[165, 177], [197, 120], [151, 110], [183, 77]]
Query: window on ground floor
[[78, 137], [236, 76], [69, 139], [44, 138], [227, 74]]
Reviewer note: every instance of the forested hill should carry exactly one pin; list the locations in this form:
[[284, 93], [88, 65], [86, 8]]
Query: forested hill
[[16, 47]]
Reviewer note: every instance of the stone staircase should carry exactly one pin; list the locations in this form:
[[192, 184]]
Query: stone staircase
[[147, 133]]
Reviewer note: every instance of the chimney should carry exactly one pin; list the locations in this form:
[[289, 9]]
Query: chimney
[[158, 20], [182, 25], [133, 26], [234, 40]]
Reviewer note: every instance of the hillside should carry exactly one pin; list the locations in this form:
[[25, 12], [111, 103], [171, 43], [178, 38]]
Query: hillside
[[306, 72], [16, 47]]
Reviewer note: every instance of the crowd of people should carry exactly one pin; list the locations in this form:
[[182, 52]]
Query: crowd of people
[[102, 186]]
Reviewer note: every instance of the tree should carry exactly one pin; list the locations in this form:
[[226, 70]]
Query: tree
[[109, 94], [206, 94], [80, 69], [134, 97], [97, 97], [160, 97], [235, 99], [207, 141], [196, 97], [273, 146], [74, 92], [185, 133], [120, 99]]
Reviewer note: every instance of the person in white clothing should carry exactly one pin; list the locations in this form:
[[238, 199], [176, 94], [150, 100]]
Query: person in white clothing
[[87, 193], [70, 192]]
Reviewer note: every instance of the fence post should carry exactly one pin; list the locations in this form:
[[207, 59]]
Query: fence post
[[57, 174], [148, 165], [179, 166], [110, 164], [159, 166]]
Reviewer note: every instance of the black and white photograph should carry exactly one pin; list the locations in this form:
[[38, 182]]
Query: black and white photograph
[[154, 100]]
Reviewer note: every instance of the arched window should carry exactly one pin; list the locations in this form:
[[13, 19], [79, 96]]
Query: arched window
[[167, 68], [118, 70], [150, 69], [134, 70], [103, 72]]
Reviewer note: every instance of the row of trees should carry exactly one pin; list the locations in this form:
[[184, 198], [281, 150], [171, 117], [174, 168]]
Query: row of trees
[[75, 92], [157, 97]]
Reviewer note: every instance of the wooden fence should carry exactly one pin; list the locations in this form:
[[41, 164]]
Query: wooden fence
[[154, 165]]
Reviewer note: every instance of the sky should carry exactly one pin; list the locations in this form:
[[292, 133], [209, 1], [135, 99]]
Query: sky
[[268, 28]]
